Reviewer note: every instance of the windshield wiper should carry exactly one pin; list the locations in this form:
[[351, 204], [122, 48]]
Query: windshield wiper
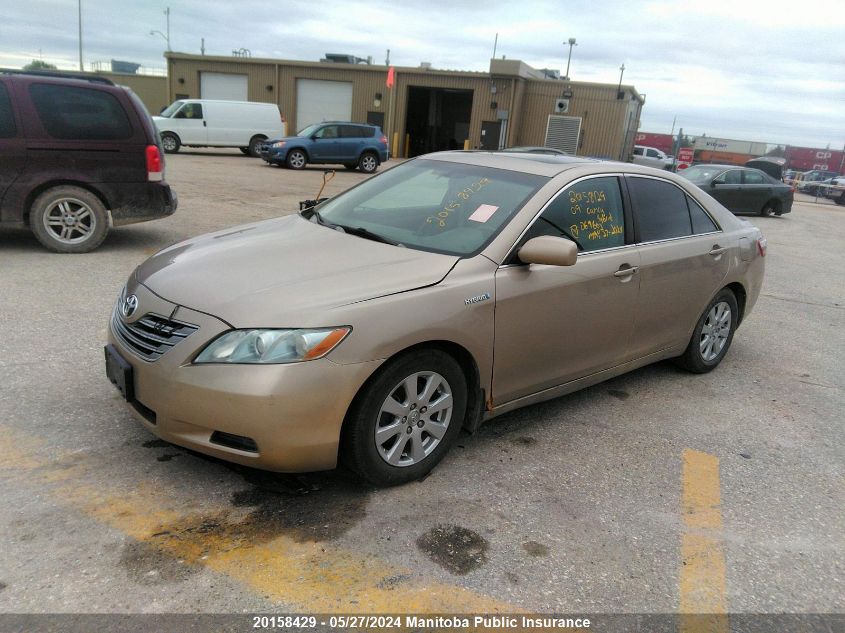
[[362, 232]]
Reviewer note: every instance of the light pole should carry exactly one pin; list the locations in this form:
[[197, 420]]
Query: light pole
[[619, 93], [80, 36], [165, 36], [569, 59]]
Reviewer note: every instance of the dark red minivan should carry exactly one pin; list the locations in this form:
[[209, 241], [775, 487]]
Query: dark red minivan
[[78, 155]]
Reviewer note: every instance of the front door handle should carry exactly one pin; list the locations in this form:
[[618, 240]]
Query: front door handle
[[717, 250], [626, 272]]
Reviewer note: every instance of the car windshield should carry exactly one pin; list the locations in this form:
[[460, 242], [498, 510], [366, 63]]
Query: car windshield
[[308, 131], [433, 205], [170, 110], [701, 174]]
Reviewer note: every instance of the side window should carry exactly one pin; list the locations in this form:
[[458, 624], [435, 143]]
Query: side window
[[732, 177], [7, 119], [701, 222], [651, 153], [69, 112], [752, 178], [589, 213], [350, 131], [190, 111], [638, 151], [660, 209], [330, 131]]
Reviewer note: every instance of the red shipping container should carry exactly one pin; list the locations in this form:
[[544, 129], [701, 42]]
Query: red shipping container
[[663, 142], [806, 158]]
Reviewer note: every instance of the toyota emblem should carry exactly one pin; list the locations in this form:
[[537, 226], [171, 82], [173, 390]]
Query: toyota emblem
[[130, 304]]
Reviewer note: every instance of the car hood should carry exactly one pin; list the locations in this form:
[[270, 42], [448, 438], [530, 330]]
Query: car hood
[[287, 272]]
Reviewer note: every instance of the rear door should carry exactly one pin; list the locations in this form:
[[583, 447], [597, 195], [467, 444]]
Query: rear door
[[684, 258], [351, 142], [12, 149], [756, 191]]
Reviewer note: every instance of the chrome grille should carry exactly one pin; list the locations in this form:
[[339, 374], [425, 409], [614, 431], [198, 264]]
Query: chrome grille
[[151, 336]]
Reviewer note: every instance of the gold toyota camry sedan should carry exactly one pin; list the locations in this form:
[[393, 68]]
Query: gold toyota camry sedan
[[445, 291]]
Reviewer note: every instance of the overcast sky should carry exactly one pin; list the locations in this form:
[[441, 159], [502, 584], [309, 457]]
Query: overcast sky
[[761, 71]]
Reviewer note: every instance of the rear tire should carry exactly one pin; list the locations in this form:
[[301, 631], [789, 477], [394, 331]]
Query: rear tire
[[713, 334], [772, 207], [170, 142], [296, 159], [391, 436], [255, 144], [69, 219], [368, 162]]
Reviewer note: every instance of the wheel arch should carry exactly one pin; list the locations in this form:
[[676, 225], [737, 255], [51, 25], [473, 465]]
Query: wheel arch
[[299, 147], [33, 195], [741, 296], [369, 150], [475, 394]]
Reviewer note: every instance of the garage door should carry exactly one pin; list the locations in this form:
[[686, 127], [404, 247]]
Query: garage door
[[223, 86], [318, 101]]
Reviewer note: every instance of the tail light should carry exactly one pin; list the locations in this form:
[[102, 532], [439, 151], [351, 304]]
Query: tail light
[[384, 139], [155, 167], [762, 243]]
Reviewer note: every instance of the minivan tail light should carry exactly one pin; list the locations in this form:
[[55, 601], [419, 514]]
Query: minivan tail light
[[155, 168], [762, 243]]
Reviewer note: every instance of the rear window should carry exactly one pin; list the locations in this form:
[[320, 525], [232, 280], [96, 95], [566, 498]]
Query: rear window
[[7, 119], [71, 112]]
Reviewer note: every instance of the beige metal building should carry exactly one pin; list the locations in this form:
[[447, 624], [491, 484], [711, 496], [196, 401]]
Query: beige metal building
[[426, 109]]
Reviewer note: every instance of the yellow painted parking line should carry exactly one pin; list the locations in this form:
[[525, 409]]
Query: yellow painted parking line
[[703, 602], [310, 576]]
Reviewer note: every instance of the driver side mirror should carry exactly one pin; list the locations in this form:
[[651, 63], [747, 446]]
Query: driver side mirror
[[549, 250]]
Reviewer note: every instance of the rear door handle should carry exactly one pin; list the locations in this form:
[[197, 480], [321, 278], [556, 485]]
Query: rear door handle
[[717, 250], [626, 272]]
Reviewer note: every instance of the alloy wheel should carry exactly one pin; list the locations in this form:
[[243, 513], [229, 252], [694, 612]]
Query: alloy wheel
[[70, 221], [715, 331], [413, 419]]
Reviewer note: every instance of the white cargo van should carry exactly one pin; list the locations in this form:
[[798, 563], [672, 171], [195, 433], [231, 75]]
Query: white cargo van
[[211, 123]]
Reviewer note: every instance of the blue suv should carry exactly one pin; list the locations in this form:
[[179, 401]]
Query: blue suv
[[356, 145]]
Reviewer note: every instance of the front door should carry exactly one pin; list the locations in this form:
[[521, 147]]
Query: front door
[[326, 144], [190, 124], [490, 132], [555, 324]]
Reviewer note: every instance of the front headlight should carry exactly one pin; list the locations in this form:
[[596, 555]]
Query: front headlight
[[278, 144], [272, 346]]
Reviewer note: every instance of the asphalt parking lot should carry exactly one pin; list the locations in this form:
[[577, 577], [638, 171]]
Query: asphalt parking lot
[[654, 492]]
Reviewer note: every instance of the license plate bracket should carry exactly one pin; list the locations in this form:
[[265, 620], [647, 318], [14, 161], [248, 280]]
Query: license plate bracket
[[120, 373]]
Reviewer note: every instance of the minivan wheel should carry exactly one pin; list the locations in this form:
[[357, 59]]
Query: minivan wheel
[[406, 419], [296, 159], [713, 334], [170, 142], [368, 163], [69, 219], [255, 144]]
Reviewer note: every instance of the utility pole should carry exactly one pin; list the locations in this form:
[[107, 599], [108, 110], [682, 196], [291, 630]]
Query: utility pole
[[202, 46], [619, 93], [80, 35], [167, 13], [387, 59]]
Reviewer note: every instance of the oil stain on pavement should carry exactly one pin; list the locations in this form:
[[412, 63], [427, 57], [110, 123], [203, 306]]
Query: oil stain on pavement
[[146, 565], [456, 549], [533, 548]]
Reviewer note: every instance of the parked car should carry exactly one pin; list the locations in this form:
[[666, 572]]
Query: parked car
[[817, 188], [806, 183], [836, 190], [652, 157], [209, 123], [450, 289], [355, 145], [742, 189], [78, 154], [790, 175]]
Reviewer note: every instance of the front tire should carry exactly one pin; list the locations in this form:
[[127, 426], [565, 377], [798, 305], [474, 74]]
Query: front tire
[[713, 334], [170, 142], [368, 163], [406, 419], [69, 219], [296, 159], [244, 151]]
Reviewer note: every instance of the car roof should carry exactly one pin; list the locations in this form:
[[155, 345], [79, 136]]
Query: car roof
[[540, 164]]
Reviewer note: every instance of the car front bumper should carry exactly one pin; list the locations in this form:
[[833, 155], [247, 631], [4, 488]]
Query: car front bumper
[[293, 413]]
